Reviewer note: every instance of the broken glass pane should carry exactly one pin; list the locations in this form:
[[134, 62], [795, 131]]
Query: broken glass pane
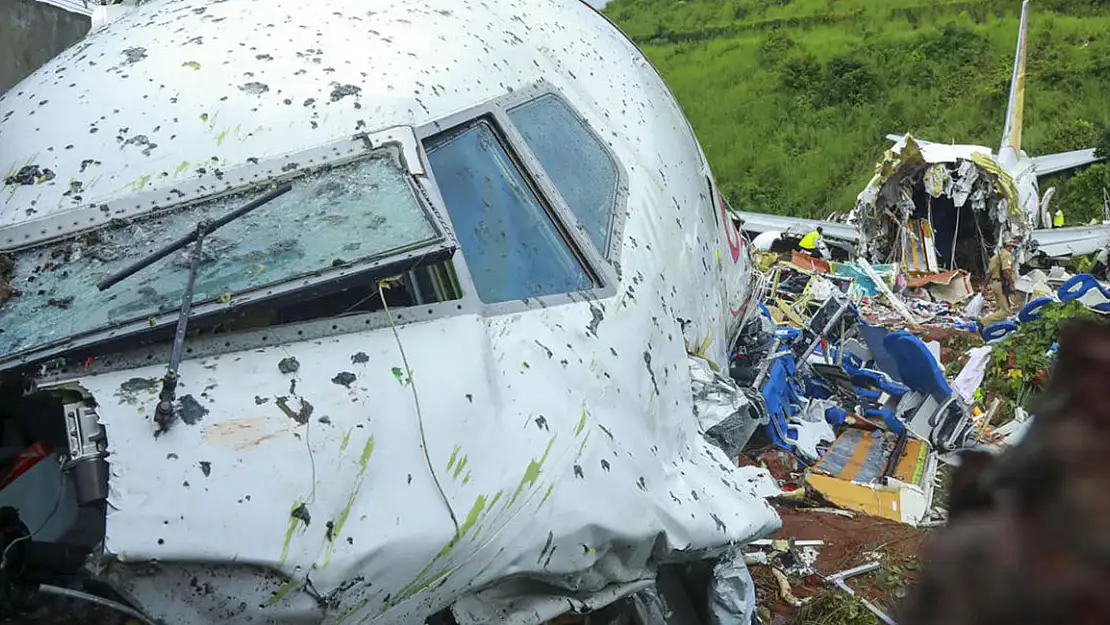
[[577, 163], [510, 244], [359, 211]]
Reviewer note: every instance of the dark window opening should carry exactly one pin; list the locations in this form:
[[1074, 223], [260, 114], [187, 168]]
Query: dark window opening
[[576, 161], [512, 243], [429, 281]]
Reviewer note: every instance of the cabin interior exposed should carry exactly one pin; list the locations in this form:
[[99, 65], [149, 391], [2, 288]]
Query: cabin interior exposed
[[933, 217]]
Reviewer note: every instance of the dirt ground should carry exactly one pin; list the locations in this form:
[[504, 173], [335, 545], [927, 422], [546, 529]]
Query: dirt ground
[[849, 542]]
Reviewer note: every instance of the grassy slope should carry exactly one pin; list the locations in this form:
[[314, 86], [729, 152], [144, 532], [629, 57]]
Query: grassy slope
[[792, 98]]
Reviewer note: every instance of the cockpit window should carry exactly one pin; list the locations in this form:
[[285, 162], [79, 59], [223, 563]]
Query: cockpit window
[[512, 247], [361, 211], [578, 164]]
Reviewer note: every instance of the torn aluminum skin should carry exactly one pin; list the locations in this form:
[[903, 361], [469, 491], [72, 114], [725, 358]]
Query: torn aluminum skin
[[966, 174]]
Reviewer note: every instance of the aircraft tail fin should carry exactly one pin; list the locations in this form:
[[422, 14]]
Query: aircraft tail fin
[[1011, 134]]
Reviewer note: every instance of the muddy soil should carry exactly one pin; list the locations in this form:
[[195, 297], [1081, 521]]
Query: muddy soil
[[849, 542]]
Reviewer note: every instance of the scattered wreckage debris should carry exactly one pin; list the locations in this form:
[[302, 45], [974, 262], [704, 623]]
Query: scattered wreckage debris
[[872, 385]]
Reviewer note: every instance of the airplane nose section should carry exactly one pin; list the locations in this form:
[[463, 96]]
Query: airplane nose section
[[393, 469]]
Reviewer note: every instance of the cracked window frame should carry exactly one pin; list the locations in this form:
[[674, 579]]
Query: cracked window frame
[[422, 262]]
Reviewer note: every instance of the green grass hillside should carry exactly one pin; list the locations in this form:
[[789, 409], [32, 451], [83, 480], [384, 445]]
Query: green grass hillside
[[791, 99]]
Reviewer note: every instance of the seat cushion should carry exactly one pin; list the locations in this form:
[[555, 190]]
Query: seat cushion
[[919, 370]]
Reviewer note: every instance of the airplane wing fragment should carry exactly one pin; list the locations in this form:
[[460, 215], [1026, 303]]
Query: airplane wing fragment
[[1052, 163]]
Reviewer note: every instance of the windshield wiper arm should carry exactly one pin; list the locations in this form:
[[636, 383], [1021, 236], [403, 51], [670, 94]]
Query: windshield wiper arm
[[163, 413], [212, 226]]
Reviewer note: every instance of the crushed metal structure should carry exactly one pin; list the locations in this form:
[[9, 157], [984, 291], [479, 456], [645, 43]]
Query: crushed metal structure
[[933, 207]]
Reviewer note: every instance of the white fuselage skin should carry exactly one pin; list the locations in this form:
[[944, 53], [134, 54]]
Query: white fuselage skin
[[1021, 170], [566, 445]]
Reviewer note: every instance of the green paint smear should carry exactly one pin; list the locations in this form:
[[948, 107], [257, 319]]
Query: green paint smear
[[364, 460], [181, 168], [412, 590], [581, 423], [547, 494], [285, 589], [472, 516], [220, 138], [532, 473], [141, 182], [346, 441], [459, 467], [402, 379], [293, 521], [419, 583], [582, 446], [349, 613], [451, 460]]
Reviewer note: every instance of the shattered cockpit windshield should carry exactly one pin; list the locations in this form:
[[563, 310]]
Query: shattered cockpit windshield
[[361, 211]]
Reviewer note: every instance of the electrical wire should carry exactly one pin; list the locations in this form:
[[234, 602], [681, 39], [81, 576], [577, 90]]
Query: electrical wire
[[91, 598], [419, 414], [49, 517], [67, 592]]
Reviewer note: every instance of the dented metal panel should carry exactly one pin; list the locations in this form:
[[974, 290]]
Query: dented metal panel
[[326, 464]]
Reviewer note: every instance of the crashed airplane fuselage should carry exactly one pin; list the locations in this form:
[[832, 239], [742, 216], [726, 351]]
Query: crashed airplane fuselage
[[935, 206], [453, 351]]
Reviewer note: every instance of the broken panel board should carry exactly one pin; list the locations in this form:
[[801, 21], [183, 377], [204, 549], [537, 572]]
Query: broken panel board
[[850, 474]]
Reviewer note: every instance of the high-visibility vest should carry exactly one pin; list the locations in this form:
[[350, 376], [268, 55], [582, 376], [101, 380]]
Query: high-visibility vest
[[1058, 219], [809, 241]]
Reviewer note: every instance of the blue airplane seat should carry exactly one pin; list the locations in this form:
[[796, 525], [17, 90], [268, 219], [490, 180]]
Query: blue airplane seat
[[836, 416], [873, 337], [920, 370], [786, 334], [817, 388], [779, 396], [998, 331], [931, 409], [1077, 286], [864, 378], [887, 416], [1034, 309]]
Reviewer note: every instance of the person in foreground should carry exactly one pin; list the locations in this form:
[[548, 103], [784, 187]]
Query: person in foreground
[[1028, 537]]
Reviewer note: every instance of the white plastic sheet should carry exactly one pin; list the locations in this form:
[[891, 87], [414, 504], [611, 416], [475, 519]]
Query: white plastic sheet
[[732, 593], [974, 308], [812, 428], [969, 379]]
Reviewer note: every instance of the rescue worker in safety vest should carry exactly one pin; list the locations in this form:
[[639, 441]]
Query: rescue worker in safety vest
[[1000, 275], [811, 241], [1058, 219]]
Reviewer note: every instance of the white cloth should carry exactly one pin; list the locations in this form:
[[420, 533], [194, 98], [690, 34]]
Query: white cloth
[[969, 379]]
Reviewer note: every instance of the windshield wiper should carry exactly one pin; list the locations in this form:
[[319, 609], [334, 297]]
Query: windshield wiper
[[163, 413]]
